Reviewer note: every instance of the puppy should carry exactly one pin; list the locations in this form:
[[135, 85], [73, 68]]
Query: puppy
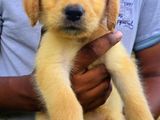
[[71, 24]]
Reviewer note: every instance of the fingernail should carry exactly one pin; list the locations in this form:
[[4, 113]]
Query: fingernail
[[117, 36]]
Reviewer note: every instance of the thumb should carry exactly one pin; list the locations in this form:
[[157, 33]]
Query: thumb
[[90, 52]]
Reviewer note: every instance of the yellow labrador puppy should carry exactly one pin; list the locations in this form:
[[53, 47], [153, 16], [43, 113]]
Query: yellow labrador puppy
[[71, 24]]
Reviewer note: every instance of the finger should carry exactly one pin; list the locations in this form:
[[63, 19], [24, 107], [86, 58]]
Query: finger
[[90, 79], [90, 52], [94, 93], [107, 3], [99, 101]]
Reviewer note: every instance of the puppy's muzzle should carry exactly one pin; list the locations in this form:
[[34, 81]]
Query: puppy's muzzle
[[74, 19], [74, 13]]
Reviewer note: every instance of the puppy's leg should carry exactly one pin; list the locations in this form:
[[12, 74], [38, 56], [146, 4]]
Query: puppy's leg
[[126, 79], [111, 110], [58, 96]]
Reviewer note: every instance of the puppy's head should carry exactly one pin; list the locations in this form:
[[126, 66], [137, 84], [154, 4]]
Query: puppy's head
[[72, 18]]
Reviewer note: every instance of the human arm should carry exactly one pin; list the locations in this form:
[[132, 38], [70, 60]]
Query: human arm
[[149, 62], [147, 46], [17, 93]]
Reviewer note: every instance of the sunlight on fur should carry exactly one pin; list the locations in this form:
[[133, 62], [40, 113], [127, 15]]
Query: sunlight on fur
[[71, 24]]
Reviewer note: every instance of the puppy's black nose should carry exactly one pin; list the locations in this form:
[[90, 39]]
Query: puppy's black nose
[[74, 12]]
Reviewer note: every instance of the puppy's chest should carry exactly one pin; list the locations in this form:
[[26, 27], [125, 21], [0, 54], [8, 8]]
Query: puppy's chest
[[68, 53], [69, 56]]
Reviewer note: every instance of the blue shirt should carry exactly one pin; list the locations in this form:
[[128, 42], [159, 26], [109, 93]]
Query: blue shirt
[[18, 40], [139, 21]]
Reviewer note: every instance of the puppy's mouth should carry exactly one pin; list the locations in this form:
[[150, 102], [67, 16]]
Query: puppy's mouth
[[73, 28]]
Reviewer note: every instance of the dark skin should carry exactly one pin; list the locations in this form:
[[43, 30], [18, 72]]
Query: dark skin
[[149, 62], [92, 87], [17, 93]]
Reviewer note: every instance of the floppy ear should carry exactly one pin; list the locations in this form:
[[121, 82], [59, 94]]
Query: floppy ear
[[112, 12], [32, 9]]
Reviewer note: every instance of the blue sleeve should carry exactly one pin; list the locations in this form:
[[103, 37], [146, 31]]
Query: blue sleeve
[[148, 33]]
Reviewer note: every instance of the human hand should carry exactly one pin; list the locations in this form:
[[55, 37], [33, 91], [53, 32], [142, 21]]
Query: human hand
[[92, 87]]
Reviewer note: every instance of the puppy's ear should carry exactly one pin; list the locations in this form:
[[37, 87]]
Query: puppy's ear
[[112, 12], [32, 9]]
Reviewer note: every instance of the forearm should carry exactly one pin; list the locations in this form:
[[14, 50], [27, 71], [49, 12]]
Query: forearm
[[17, 94], [152, 88], [149, 62]]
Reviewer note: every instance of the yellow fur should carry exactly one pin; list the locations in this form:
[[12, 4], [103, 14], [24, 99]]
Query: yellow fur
[[56, 56]]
